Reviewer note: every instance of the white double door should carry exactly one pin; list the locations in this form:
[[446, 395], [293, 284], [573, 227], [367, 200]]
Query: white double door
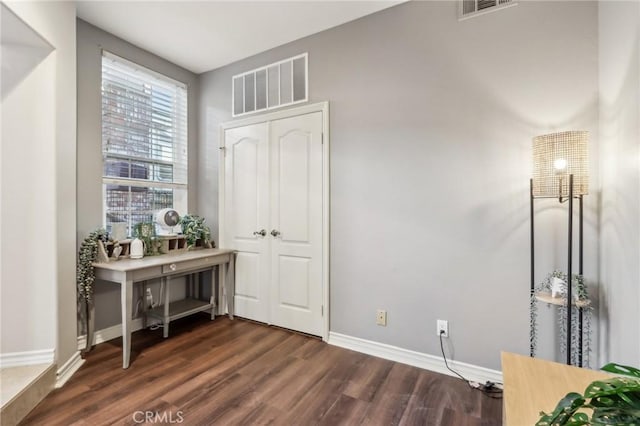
[[273, 209]]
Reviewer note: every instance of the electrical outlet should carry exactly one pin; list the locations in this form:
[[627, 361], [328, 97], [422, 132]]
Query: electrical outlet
[[381, 317], [442, 325]]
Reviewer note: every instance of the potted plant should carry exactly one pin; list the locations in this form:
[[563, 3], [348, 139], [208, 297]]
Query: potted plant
[[85, 274], [581, 296], [614, 401], [146, 232], [195, 231]]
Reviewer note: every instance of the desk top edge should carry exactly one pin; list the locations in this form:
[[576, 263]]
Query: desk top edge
[[163, 259]]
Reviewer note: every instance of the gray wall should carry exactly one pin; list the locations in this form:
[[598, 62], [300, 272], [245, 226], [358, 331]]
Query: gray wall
[[431, 125], [619, 53], [38, 192], [91, 41]]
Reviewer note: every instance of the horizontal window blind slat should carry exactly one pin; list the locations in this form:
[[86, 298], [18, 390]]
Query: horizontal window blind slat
[[139, 183]]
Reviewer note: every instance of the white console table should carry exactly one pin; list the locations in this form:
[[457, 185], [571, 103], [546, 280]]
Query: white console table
[[128, 271]]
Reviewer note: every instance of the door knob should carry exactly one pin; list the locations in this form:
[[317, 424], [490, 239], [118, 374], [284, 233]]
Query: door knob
[[275, 233], [261, 232]]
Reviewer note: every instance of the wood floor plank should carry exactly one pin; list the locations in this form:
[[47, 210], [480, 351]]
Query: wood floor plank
[[366, 380], [346, 410], [391, 401], [240, 372]]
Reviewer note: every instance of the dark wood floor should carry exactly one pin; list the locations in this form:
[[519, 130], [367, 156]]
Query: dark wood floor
[[238, 372]]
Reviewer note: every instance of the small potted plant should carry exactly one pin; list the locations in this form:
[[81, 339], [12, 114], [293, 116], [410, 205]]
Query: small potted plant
[[580, 298], [195, 231], [146, 232]]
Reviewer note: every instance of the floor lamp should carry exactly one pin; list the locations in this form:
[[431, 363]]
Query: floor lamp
[[560, 170]]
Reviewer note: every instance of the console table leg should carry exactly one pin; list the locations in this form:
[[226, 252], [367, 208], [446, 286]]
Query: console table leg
[[126, 295], [165, 322]]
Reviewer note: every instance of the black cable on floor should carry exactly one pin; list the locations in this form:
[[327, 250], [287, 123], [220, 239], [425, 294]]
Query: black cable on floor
[[486, 389]]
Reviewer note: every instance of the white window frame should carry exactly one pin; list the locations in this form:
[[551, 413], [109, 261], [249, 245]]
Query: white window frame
[[266, 69], [179, 166], [464, 16]]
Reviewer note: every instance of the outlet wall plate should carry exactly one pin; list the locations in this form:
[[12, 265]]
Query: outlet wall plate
[[442, 325], [381, 317]]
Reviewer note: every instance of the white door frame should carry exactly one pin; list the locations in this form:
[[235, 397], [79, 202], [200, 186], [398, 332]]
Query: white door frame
[[261, 118]]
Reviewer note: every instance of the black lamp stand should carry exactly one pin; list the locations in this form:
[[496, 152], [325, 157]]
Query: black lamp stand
[[569, 318]]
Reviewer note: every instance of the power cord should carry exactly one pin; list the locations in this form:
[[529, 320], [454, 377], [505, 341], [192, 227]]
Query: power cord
[[490, 389]]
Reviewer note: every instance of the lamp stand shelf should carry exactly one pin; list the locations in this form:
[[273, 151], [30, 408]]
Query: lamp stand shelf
[[559, 301]]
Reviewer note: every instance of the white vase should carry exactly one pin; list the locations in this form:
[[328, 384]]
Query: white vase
[[137, 249], [557, 287]]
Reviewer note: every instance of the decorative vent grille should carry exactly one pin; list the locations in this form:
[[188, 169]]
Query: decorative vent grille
[[470, 8], [272, 86]]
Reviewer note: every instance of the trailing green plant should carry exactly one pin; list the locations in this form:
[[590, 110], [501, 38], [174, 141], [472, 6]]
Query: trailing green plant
[[85, 274], [194, 229], [614, 401], [581, 293]]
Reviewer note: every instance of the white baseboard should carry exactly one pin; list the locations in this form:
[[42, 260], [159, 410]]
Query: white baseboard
[[15, 359], [416, 359], [106, 334], [68, 369]]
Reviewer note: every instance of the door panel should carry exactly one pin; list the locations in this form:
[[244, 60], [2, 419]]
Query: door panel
[[294, 282], [247, 270], [294, 149], [247, 211], [296, 212], [244, 154]]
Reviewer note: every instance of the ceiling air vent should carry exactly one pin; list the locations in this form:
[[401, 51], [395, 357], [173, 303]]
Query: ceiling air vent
[[469, 8], [273, 86]]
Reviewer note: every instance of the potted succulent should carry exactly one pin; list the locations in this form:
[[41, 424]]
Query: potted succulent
[[195, 231]]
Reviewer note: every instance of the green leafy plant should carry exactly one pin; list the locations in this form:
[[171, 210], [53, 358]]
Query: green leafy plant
[[614, 401], [194, 229], [85, 274]]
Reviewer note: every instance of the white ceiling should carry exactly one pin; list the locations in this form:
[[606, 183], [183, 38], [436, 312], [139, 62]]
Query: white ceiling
[[204, 35]]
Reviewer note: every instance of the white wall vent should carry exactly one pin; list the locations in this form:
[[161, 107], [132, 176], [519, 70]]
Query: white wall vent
[[273, 86], [469, 8]]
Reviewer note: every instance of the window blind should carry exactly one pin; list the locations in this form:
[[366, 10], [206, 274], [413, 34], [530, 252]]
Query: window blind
[[144, 142]]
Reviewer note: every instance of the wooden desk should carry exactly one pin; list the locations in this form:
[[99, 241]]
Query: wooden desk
[[128, 271], [532, 385]]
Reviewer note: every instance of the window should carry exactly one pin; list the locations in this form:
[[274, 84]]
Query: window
[[144, 142], [469, 8], [272, 86]]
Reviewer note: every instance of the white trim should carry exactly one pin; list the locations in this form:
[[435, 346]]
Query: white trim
[[276, 115], [416, 359], [326, 215], [65, 372], [326, 179], [157, 75], [109, 333], [15, 359]]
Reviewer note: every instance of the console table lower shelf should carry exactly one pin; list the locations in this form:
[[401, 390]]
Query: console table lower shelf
[[171, 311], [127, 272]]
